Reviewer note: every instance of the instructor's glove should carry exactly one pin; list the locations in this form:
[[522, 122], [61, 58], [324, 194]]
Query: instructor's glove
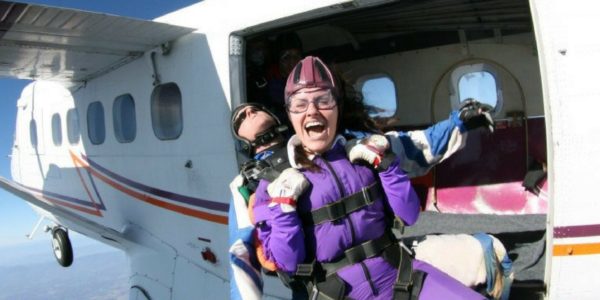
[[286, 189], [475, 114], [373, 150]]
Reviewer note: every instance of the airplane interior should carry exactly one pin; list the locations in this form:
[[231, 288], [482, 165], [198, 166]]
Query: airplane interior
[[416, 61]]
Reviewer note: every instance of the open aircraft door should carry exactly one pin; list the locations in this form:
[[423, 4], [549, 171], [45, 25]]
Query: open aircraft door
[[569, 62]]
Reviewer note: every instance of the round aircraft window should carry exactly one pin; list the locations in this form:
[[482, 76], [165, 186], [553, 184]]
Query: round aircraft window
[[124, 118], [73, 126], [477, 81], [379, 95], [167, 116], [56, 130], [33, 133], [95, 122]]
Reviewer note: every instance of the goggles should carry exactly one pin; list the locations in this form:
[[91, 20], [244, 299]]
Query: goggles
[[298, 103]]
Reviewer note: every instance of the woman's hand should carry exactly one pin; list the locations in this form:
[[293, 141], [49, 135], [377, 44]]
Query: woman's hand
[[373, 149], [286, 189]]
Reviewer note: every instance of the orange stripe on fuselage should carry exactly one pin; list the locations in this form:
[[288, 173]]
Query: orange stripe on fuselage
[[75, 163], [180, 209], [75, 207], [576, 249]]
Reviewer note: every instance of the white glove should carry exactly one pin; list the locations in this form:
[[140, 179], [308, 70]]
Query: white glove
[[370, 149], [286, 189]]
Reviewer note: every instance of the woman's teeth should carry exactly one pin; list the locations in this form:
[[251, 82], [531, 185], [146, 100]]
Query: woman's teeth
[[314, 127]]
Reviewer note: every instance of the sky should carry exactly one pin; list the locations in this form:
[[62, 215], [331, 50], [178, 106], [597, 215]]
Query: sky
[[16, 217]]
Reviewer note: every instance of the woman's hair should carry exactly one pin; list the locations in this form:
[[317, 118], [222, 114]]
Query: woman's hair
[[354, 113], [303, 160]]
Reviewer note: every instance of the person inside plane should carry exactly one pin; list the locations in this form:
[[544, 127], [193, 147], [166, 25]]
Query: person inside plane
[[295, 227], [260, 133], [258, 59], [288, 52], [245, 273]]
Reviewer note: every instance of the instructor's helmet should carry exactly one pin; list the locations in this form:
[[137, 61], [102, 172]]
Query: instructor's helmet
[[310, 72], [262, 138]]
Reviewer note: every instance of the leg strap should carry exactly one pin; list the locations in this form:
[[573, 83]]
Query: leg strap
[[333, 288], [409, 282], [323, 283]]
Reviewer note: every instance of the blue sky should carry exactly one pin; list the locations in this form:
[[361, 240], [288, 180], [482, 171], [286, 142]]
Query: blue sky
[[16, 217]]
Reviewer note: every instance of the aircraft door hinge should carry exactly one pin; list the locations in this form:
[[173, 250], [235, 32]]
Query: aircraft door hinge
[[235, 46], [498, 35], [165, 48], [462, 36], [155, 75]]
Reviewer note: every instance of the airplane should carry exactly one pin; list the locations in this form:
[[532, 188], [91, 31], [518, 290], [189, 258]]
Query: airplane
[[124, 134]]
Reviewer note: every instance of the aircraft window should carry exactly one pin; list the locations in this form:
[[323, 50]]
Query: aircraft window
[[56, 130], [95, 122], [167, 116], [379, 93], [477, 81], [33, 133], [124, 118], [73, 126]]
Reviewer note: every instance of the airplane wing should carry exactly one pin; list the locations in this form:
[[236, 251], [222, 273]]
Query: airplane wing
[[61, 213], [57, 44]]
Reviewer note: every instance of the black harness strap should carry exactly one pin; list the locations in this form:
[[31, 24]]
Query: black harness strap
[[333, 288], [277, 162], [341, 208], [322, 282], [321, 279], [269, 168], [359, 253], [408, 281]]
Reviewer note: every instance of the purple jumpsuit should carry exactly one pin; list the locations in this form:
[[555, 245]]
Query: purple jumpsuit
[[288, 243]]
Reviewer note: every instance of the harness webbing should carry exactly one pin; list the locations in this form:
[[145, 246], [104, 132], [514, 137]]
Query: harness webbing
[[409, 282], [277, 163], [341, 208], [359, 253], [322, 281]]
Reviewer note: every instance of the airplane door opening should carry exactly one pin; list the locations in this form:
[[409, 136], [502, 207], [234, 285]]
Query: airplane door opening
[[429, 58]]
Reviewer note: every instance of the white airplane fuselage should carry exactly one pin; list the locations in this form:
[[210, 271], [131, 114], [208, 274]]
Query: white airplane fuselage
[[169, 199]]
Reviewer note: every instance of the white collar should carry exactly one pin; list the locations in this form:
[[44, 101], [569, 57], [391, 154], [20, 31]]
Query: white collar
[[295, 140]]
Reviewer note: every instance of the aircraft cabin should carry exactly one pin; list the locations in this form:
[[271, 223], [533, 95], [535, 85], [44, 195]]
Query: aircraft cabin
[[414, 62]]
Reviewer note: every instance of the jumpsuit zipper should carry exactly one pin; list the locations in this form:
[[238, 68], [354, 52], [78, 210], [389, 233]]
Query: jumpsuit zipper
[[352, 232], [342, 194]]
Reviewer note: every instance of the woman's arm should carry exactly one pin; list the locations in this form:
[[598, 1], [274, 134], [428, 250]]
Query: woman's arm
[[402, 199], [420, 150], [279, 233]]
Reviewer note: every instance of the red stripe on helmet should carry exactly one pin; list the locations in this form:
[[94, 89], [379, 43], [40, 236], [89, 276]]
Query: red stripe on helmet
[[310, 72]]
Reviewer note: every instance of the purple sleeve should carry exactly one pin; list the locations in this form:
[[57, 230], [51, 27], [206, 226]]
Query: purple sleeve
[[280, 233], [402, 198]]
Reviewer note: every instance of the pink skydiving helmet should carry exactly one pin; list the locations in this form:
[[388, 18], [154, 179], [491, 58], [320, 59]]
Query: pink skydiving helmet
[[310, 72]]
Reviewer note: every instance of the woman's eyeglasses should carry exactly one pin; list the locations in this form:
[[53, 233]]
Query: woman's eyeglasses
[[297, 104]]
